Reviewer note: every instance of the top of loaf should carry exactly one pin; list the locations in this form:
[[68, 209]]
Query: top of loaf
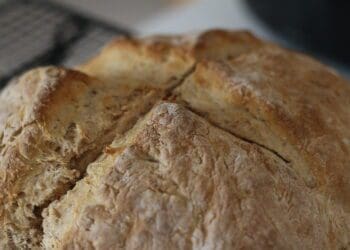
[[213, 120]]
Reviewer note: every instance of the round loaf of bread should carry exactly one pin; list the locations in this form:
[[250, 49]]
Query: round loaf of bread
[[211, 141]]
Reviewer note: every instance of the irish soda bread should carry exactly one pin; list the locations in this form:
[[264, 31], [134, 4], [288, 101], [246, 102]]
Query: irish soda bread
[[212, 141]]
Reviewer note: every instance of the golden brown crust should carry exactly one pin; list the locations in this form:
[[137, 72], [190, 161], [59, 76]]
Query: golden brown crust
[[287, 102], [166, 54], [51, 136], [269, 167], [201, 188]]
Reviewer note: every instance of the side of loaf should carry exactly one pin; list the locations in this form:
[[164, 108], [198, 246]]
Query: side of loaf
[[217, 141]]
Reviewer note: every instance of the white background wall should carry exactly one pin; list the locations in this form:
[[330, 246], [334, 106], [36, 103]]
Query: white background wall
[[167, 16]]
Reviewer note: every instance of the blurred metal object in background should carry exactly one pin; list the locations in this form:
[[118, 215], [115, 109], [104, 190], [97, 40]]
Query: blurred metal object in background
[[319, 27], [34, 33]]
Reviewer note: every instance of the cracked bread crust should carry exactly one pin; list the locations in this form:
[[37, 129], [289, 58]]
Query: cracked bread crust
[[49, 136], [164, 55], [286, 102], [177, 182], [55, 122]]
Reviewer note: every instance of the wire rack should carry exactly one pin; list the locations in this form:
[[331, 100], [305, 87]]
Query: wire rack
[[35, 33]]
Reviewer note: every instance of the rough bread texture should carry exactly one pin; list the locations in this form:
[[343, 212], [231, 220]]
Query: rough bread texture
[[286, 102], [210, 141]]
